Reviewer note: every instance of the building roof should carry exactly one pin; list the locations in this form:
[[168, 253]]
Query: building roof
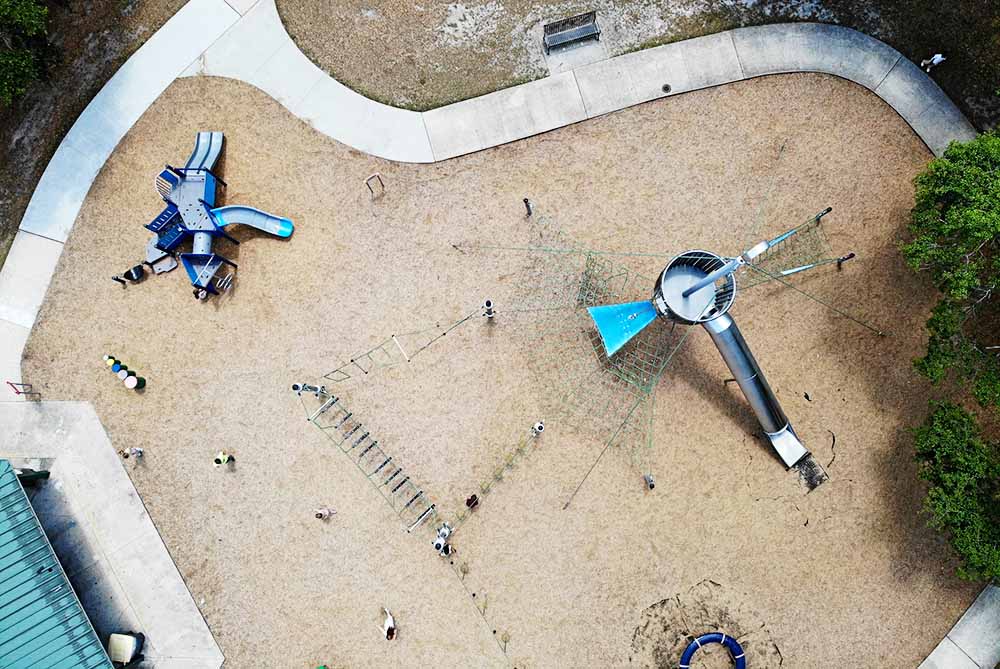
[[42, 624]]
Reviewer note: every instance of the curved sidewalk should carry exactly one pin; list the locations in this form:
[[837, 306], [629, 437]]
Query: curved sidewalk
[[257, 50], [245, 40]]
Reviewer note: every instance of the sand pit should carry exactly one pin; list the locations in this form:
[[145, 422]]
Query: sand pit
[[668, 625], [849, 565]]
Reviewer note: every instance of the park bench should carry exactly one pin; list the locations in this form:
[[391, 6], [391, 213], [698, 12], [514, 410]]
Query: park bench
[[573, 29]]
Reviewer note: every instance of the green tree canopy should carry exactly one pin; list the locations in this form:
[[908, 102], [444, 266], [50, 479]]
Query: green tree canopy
[[956, 239], [963, 498], [22, 31]]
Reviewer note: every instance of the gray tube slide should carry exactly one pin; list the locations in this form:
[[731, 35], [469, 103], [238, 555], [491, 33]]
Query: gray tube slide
[[729, 340], [207, 147], [255, 218]]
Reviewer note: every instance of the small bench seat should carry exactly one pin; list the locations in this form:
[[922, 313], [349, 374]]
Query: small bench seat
[[570, 30]]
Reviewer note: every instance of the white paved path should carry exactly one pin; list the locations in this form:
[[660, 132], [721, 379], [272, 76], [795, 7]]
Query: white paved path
[[245, 40], [106, 541], [974, 641]]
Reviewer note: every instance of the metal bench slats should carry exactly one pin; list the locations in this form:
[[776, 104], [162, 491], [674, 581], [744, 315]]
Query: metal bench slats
[[570, 30]]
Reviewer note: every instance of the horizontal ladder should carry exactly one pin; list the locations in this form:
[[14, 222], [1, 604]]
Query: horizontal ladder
[[331, 415]]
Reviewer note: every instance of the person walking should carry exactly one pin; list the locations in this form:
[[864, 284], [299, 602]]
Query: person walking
[[131, 452], [223, 458], [389, 626], [933, 61]]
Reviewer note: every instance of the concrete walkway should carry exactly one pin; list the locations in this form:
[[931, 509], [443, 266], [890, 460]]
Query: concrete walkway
[[974, 641], [105, 540], [257, 50], [245, 40]]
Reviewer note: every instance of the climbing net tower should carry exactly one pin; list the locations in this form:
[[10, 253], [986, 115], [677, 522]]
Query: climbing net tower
[[608, 398], [612, 385]]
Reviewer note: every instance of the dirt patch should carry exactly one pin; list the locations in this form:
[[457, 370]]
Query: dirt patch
[[668, 627], [567, 585], [427, 54], [91, 40]]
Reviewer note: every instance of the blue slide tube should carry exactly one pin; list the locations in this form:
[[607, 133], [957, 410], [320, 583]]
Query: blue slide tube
[[618, 323], [731, 644]]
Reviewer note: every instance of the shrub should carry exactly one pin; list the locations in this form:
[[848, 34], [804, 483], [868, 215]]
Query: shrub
[[963, 498], [956, 239], [22, 46]]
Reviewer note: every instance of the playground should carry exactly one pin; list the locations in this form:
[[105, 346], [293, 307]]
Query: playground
[[548, 572]]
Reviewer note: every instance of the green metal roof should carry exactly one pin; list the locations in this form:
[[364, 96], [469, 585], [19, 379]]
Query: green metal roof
[[42, 624]]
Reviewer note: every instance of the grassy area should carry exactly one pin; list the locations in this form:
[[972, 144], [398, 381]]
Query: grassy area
[[424, 56]]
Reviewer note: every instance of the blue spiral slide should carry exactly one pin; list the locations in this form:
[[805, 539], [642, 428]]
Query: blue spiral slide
[[731, 644]]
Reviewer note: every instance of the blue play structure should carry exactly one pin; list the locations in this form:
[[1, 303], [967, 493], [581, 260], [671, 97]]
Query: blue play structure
[[618, 323], [190, 193], [731, 644]]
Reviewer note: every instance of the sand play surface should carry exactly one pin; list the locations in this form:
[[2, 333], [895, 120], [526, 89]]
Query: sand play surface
[[846, 575]]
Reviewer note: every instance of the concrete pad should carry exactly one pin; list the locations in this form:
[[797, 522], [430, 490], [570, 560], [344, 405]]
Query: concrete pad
[[456, 129], [247, 45], [166, 54], [577, 55], [155, 586], [13, 338], [939, 125], [377, 129], [25, 277], [115, 558], [131, 522], [172, 662], [71, 538], [95, 135], [908, 90], [948, 656], [242, 6], [287, 76], [711, 61], [258, 50], [632, 79], [60, 192], [194, 69], [814, 47], [538, 106], [504, 116], [103, 598], [977, 632]]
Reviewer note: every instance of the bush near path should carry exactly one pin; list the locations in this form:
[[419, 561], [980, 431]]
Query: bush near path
[[956, 228]]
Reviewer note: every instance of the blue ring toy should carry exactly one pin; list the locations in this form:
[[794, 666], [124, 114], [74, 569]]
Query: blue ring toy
[[731, 644]]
